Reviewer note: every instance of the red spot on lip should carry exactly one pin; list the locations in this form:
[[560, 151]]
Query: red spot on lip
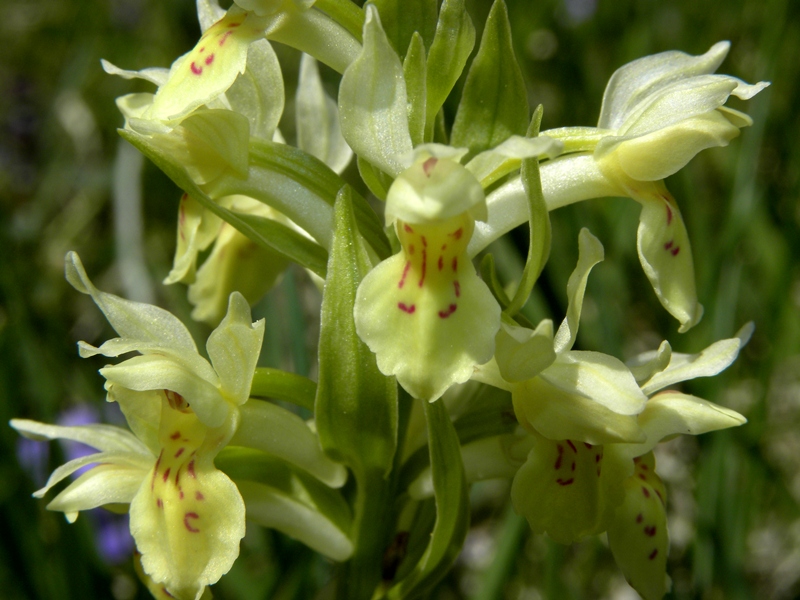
[[428, 165], [642, 476], [653, 554], [675, 251], [571, 445], [407, 309], [669, 213], [234, 24], [195, 69], [441, 263], [190, 469], [407, 228], [424, 262], [187, 517], [560, 456], [455, 264], [155, 469], [165, 476], [179, 452], [199, 496], [572, 467], [458, 233], [457, 286], [443, 314], [669, 245], [650, 531], [178, 478], [588, 446], [402, 281], [175, 435], [210, 58], [160, 503], [224, 37], [569, 481], [639, 518], [411, 249], [646, 492]]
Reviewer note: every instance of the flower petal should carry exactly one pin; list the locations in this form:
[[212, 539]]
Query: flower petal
[[637, 80], [154, 372], [142, 411], [156, 75], [126, 460], [589, 254], [104, 484], [569, 489], [522, 353], [714, 359], [197, 228], [233, 348], [106, 438], [666, 256], [638, 536], [490, 165], [672, 413]]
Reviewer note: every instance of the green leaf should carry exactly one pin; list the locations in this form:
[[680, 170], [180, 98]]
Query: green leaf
[[356, 405], [344, 12], [280, 385], [269, 234], [494, 104], [451, 47], [452, 506], [414, 73], [539, 221], [403, 18]]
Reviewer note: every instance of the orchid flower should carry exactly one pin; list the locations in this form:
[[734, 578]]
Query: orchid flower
[[236, 262], [658, 112], [186, 516], [424, 312]]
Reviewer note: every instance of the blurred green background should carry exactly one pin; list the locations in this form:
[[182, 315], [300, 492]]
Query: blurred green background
[[734, 518]]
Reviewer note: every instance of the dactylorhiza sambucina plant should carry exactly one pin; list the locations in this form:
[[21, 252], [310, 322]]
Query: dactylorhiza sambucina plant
[[187, 517], [422, 360]]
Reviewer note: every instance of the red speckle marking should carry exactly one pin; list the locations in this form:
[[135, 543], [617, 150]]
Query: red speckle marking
[[557, 466], [411, 249], [650, 531], [199, 496], [195, 69], [643, 467], [455, 264], [444, 247], [232, 25], [155, 469], [178, 477], [571, 445], [441, 263], [163, 589], [187, 517], [562, 482], [424, 262], [458, 233], [669, 213], [597, 458], [646, 492], [179, 452], [181, 493], [203, 49], [572, 468], [639, 518], [443, 314], [175, 435], [407, 309], [165, 476], [588, 446], [159, 503], [642, 476], [457, 286], [402, 281], [675, 251], [190, 469], [669, 245], [428, 165], [407, 228], [653, 554], [210, 58], [660, 497], [224, 37]]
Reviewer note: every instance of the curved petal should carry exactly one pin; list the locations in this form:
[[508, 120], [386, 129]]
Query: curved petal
[[106, 438], [233, 348], [105, 484], [638, 536], [671, 413], [156, 75], [125, 460], [197, 228], [569, 489], [142, 411], [714, 359], [522, 353], [590, 253]]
